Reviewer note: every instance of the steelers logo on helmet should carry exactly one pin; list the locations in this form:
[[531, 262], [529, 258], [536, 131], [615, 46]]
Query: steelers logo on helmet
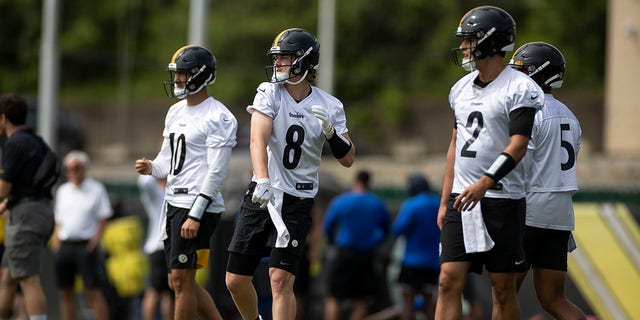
[[544, 63], [304, 50], [198, 65], [491, 30], [182, 258]]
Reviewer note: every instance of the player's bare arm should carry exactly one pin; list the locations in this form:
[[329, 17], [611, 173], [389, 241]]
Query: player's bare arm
[[261, 126], [447, 181]]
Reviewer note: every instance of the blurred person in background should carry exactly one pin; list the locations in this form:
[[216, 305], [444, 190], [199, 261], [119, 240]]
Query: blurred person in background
[[551, 181], [27, 201], [198, 137], [157, 295], [356, 223], [82, 208], [290, 121], [420, 268]]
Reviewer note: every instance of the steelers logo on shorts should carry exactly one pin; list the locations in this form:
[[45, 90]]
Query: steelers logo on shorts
[[182, 258], [294, 243]]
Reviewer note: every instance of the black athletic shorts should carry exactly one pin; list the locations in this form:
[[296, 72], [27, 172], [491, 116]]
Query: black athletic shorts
[[351, 275], [418, 278], [546, 248], [158, 274], [73, 259], [255, 235], [184, 253], [504, 219]]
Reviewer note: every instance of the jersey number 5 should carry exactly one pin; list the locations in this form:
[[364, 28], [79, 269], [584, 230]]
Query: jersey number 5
[[571, 154]]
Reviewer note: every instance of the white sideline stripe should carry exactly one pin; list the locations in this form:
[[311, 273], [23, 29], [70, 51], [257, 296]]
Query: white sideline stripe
[[599, 288], [608, 212]]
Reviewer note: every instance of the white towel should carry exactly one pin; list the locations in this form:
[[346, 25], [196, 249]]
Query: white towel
[[475, 234], [162, 222], [275, 212]]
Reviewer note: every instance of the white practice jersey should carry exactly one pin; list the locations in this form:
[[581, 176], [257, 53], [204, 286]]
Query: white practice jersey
[[295, 146], [192, 136], [551, 166], [482, 123]]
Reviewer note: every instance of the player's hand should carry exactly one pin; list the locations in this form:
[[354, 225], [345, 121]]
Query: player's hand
[[263, 193], [143, 166], [472, 195], [189, 229], [441, 212], [323, 118]]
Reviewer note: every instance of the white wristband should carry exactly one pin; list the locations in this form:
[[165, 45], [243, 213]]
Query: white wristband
[[199, 206]]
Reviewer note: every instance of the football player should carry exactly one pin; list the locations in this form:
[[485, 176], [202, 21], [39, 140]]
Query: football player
[[482, 208], [198, 136], [290, 122], [551, 181]]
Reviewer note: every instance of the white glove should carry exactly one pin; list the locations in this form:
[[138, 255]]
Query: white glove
[[323, 119], [263, 193]]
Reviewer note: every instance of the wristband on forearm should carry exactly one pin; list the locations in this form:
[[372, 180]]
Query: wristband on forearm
[[339, 145], [199, 206], [501, 167]]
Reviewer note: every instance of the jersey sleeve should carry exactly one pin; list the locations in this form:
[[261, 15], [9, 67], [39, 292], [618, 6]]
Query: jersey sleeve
[[338, 117], [526, 95], [222, 129], [264, 101]]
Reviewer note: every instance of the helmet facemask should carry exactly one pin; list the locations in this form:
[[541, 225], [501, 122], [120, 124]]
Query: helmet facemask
[[298, 67], [467, 63], [194, 83]]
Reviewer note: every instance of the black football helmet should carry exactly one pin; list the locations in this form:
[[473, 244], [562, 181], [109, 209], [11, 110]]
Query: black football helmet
[[304, 49], [200, 65], [543, 62], [494, 29]]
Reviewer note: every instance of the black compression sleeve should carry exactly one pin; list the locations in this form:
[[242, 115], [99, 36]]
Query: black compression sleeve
[[501, 167], [521, 121], [339, 145]]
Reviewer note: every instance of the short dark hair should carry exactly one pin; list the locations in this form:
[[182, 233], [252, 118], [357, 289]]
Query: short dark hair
[[14, 107], [418, 183], [363, 177]]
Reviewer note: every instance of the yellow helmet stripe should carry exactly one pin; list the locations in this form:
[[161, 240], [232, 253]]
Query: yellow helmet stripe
[[464, 16], [175, 55], [277, 39]]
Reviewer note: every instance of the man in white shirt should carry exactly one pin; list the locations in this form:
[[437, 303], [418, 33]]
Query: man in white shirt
[[290, 122], [81, 211], [551, 181], [483, 187], [199, 134]]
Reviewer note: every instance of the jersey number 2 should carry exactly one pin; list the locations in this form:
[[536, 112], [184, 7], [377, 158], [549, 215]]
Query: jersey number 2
[[476, 115], [293, 149]]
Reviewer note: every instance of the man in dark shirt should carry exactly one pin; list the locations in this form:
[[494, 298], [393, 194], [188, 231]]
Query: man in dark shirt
[[30, 219]]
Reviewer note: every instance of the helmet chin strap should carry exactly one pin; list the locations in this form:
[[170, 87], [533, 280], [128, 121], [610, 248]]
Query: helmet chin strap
[[468, 65], [304, 76], [181, 93]]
